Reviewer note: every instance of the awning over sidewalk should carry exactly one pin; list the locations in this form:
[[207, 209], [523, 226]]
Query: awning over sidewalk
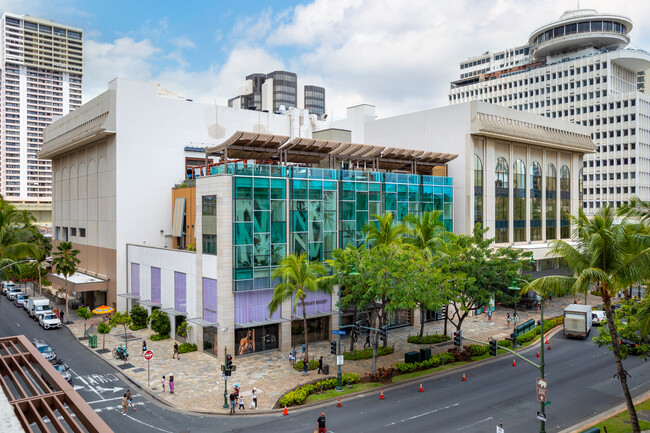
[[173, 312], [204, 323], [129, 296], [148, 303], [79, 282], [316, 315], [261, 323]]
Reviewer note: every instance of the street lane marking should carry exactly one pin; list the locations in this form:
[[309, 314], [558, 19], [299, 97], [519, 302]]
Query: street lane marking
[[17, 324], [110, 399], [476, 423], [148, 425], [423, 414], [86, 383]]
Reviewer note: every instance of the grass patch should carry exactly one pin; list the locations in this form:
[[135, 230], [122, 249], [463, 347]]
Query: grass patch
[[407, 376], [618, 424], [332, 393]]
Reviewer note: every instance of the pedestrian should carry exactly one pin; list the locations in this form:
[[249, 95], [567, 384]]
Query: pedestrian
[[508, 319], [61, 314], [305, 366], [367, 343], [129, 399], [237, 391], [320, 422], [176, 352], [163, 383], [489, 313], [303, 349], [144, 346], [254, 396], [171, 383], [293, 352], [320, 365], [233, 399], [241, 403], [124, 405], [291, 359]]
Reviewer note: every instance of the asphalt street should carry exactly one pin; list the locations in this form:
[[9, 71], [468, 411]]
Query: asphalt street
[[579, 375]]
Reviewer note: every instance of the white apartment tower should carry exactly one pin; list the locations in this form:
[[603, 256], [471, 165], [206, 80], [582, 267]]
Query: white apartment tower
[[578, 69], [41, 70]]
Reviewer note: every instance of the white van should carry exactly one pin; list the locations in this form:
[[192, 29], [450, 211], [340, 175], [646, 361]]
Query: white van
[[598, 317], [38, 306]]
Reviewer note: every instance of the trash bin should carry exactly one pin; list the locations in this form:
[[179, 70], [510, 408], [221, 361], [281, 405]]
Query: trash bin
[[326, 369], [92, 340], [425, 354], [411, 357]]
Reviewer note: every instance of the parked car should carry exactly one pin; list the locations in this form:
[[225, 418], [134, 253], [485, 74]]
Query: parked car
[[21, 299], [46, 350], [597, 317], [11, 293], [48, 321], [6, 286], [61, 368]]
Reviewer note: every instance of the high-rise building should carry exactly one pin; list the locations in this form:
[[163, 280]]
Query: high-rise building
[[41, 70], [577, 69], [270, 92]]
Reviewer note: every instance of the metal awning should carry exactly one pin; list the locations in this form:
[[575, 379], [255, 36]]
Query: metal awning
[[248, 145], [204, 323], [129, 296], [173, 312], [148, 303], [79, 282], [261, 323], [315, 315], [307, 150]]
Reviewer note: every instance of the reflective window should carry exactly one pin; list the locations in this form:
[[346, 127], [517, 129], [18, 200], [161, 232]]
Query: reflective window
[[519, 200], [565, 202], [501, 200], [478, 190], [551, 202], [535, 201]]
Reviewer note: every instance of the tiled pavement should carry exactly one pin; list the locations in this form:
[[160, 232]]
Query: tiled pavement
[[198, 382]]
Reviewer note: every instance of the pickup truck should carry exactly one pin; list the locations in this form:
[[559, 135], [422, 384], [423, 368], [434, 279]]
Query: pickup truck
[[577, 321]]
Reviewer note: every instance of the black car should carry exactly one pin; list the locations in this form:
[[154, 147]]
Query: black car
[[633, 346]]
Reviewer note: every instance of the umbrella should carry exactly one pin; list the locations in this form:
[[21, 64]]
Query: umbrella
[[103, 310]]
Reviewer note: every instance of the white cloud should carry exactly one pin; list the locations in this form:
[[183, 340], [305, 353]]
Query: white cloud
[[184, 42]]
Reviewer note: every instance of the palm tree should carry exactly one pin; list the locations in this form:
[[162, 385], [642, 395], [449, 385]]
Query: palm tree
[[17, 234], [65, 262], [636, 209], [385, 231], [299, 277], [607, 254]]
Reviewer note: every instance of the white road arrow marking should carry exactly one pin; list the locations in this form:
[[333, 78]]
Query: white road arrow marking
[[102, 389], [78, 387]]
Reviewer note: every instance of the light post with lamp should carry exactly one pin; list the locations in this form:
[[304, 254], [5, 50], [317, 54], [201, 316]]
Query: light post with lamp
[[339, 374]]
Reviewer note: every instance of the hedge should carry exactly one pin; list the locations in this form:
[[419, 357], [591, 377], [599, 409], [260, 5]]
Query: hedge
[[428, 339], [299, 395], [313, 365], [156, 337], [367, 353], [477, 349], [187, 347], [432, 362], [548, 325]]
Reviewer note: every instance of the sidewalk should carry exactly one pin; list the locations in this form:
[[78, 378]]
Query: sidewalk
[[197, 376]]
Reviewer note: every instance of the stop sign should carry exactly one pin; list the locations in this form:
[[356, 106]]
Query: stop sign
[[148, 355]]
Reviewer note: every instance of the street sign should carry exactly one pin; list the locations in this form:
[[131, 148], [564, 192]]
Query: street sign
[[500, 429], [541, 416], [339, 359], [541, 386], [148, 355], [338, 331]]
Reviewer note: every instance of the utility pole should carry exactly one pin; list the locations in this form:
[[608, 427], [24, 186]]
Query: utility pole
[[225, 378]]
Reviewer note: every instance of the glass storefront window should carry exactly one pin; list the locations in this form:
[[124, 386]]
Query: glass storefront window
[[257, 339], [551, 202]]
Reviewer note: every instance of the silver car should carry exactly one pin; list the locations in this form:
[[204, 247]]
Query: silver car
[[21, 299], [11, 293], [46, 350]]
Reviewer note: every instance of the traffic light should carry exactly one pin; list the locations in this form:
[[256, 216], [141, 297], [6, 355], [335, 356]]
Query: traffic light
[[458, 339], [494, 346], [357, 327], [382, 333], [333, 347], [229, 362]]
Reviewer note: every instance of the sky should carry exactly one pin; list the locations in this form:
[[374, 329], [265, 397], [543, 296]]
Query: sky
[[397, 55]]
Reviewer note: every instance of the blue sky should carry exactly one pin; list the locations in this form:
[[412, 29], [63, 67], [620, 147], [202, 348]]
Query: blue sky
[[399, 56]]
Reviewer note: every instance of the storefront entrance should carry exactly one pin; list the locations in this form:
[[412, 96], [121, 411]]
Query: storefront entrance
[[318, 329], [210, 340], [256, 339]]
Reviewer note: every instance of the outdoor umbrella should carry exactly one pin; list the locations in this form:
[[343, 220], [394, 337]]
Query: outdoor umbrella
[[103, 310]]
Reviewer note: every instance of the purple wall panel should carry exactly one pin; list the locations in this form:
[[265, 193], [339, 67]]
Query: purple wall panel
[[252, 306], [155, 285], [180, 292], [135, 279], [210, 300], [318, 302]]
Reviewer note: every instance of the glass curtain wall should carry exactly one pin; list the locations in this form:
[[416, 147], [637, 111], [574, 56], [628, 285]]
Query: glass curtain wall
[[535, 202], [209, 223], [565, 202], [501, 197], [478, 190], [519, 200], [551, 202]]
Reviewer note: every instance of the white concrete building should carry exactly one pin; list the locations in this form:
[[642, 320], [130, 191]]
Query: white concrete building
[[41, 67], [577, 69]]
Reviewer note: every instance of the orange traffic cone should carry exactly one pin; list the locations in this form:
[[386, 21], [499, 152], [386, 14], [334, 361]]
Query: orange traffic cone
[[549, 346], [538, 353], [286, 412], [421, 389], [339, 403], [514, 362], [546, 341], [381, 396], [464, 377]]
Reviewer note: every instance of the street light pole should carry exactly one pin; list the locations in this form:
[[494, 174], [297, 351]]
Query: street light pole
[[339, 375], [542, 426], [15, 263]]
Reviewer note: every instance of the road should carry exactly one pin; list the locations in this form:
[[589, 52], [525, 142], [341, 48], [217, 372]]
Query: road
[[579, 375]]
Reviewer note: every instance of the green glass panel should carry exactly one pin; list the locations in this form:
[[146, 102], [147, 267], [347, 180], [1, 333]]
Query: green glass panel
[[299, 243], [278, 188], [427, 193], [243, 210], [361, 186], [414, 192], [261, 182], [299, 205], [278, 253], [402, 211], [278, 232], [316, 251], [348, 186], [449, 225], [315, 190], [278, 171], [437, 190], [347, 237], [329, 185], [448, 212], [262, 222], [347, 210], [299, 221], [262, 201], [262, 278], [243, 274], [244, 256], [414, 208], [261, 170], [347, 225], [362, 220], [402, 193], [315, 232], [243, 234], [437, 202], [374, 187], [391, 201], [374, 208], [330, 221], [300, 189], [427, 207], [329, 200], [329, 242], [391, 187], [243, 187], [262, 249], [347, 195], [362, 201], [449, 194], [374, 196], [315, 211], [278, 210]]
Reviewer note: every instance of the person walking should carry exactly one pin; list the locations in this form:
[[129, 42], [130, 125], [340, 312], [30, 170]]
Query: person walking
[[293, 352], [320, 423], [489, 314], [233, 399], [305, 366], [171, 383], [320, 365], [237, 391], [162, 382], [129, 399], [303, 350], [144, 346], [176, 352], [254, 397], [241, 403], [61, 314], [124, 405], [367, 343], [508, 319]]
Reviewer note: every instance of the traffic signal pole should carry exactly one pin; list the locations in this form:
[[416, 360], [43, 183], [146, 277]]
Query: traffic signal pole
[[225, 385]]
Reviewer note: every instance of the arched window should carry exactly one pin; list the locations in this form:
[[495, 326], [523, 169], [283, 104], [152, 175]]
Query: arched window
[[478, 190], [501, 200], [565, 202], [551, 202], [519, 200], [580, 190], [535, 201]]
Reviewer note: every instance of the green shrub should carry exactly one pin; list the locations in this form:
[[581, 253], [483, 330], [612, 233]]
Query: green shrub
[[313, 365], [160, 323], [183, 329], [477, 349], [367, 353], [187, 347], [505, 343], [428, 339], [299, 395], [140, 317], [432, 362], [157, 337]]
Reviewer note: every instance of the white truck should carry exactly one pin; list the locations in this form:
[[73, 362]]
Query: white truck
[[577, 321], [38, 306]]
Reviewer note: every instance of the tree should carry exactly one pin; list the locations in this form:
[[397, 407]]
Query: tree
[[160, 323], [629, 328], [384, 231], [118, 318], [609, 255], [299, 277], [636, 209], [140, 317], [104, 328], [85, 314], [17, 234], [65, 262]]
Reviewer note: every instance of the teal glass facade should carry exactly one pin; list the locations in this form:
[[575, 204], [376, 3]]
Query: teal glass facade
[[279, 210]]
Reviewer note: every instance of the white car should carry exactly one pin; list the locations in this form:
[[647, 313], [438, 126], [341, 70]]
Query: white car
[[48, 321], [11, 293], [20, 299], [598, 317]]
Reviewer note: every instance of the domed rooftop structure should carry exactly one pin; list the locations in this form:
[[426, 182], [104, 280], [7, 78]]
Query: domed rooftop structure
[[581, 28]]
